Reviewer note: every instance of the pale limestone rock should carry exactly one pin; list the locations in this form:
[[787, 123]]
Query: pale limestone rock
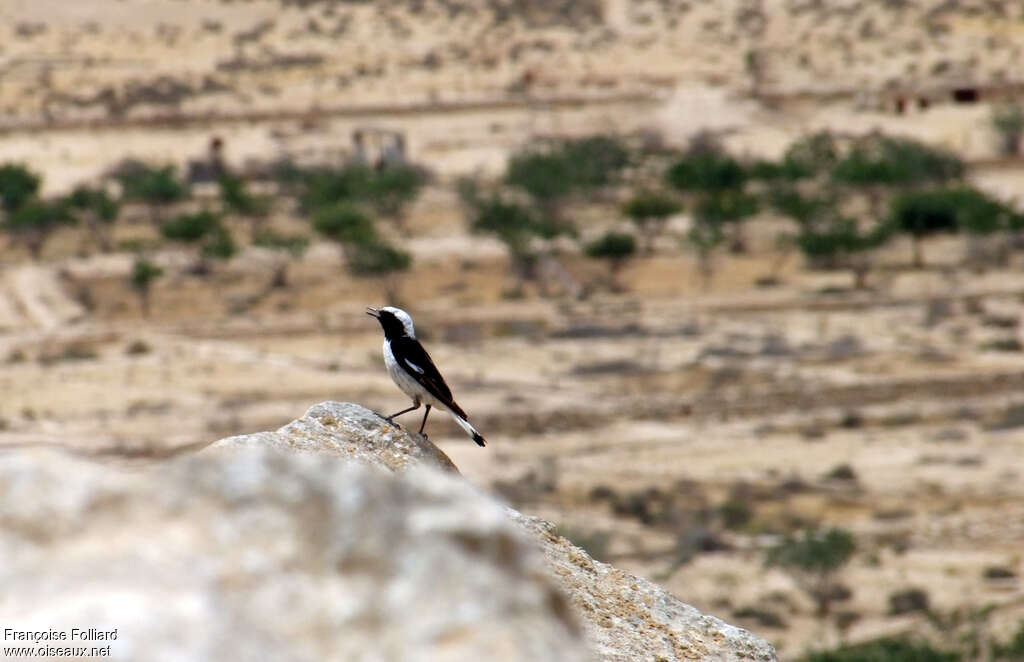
[[269, 556], [265, 546], [349, 430]]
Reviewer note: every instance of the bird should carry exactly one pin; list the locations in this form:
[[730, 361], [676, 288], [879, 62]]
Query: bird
[[413, 371]]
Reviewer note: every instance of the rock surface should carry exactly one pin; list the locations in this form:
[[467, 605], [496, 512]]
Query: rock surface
[[349, 430], [262, 547], [626, 618], [270, 556]]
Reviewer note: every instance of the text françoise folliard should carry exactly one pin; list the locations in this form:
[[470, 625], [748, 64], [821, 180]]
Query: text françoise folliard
[[50, 634]]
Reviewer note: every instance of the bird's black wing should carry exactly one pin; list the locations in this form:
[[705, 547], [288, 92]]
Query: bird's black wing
[[409, 354]]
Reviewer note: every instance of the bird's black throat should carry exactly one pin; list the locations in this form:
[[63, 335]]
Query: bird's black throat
[[393, 327]]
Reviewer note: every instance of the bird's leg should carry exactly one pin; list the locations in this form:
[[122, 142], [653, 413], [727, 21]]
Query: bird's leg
[[415, 405], [425, 414]]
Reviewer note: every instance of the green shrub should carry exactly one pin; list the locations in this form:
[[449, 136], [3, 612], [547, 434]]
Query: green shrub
[[813, 560], [32, 223], [155, 186], [344, 223], [886, 161], [616, 247], [191, 228], [293, 244], [566, 167], [377, 258], [707, 172], [812, 154], [18, 184]]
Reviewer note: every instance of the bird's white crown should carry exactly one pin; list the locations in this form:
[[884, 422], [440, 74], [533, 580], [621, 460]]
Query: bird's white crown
[[404, 318]]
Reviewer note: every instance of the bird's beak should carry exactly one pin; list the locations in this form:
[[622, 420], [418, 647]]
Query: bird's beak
[[373, 312]]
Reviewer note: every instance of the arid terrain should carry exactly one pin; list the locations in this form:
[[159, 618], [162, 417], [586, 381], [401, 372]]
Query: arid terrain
[[638, 420]]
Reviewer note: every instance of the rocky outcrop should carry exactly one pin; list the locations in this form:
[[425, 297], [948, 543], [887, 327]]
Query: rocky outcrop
[[269, 556], [628, 618], [265, 546], [348, 430]]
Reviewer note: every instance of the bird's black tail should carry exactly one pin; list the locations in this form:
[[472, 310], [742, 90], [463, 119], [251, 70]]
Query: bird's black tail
[[470, 430]]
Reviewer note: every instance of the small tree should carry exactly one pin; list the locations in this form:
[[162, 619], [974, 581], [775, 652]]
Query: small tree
[[346, 225], [812, 154], [880, 160], [814, 561], [393, 188], [922, 214], [616, 248], [219, 245], [202, 230], [144, 274], [550, 175], [34, 221], [729, 208], [1008, 121], [237, 199], [839, 242], [98, 210], [515, 226], [979, 217], [18, 185], [290, 247], [706, 172], [704, 238], [649, 210], [157, 187]]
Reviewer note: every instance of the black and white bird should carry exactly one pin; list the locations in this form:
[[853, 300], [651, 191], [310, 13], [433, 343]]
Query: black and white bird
[[414, 372]]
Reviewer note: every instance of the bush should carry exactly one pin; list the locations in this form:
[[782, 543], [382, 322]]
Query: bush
[[647, 205], [18, 184], [156, 186], [32, 223], [295, 245], [236, 197], [803, 209], [814, 560], [784, 170], [344, 223], [377, 258], [727, 207], [812, 154], [706, 171], [613, 246], [95, 200], [190, 228], [839, 241], [885, 161], [144, 273], [816, 552], [220, 245]]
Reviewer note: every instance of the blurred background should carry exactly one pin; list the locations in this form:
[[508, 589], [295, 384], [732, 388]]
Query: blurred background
[[732, 288]]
